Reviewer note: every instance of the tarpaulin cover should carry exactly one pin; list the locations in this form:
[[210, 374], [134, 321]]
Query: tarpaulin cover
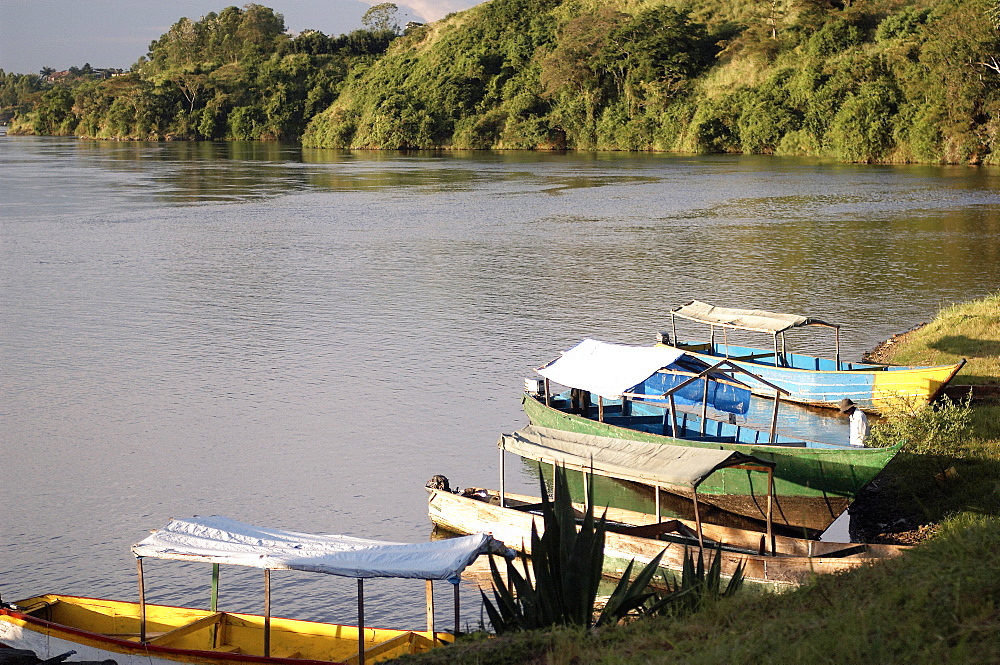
[[217, 539], [638, 461], [756, 320], [607, 369]]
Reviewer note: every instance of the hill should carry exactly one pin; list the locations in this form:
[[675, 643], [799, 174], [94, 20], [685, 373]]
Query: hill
[[854, 80], [867, 81]]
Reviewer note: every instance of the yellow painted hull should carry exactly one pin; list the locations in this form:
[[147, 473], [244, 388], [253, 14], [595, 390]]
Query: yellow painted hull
[[100, 629]]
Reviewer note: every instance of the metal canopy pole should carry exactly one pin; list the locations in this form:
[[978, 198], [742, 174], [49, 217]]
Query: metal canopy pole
[[673, 327], [775, 336], [267, 612], [361, 621], [657, 504], [456, 585], [142, 603]]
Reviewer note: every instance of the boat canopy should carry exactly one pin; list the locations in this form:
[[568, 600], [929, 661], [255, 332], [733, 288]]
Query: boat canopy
[[757, 320], [217, 539], [638, 461], [610, 369], [613, 370]]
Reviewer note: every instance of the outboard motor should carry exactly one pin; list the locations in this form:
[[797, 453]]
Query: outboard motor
[[439, 482]]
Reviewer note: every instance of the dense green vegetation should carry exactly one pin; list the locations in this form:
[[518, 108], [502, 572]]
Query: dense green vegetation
[[861, 80], [872, 80], [232, 75]]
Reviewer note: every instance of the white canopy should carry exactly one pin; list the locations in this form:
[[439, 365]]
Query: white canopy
[[608, 369], [217, 539], [639, 461], [757, 320]]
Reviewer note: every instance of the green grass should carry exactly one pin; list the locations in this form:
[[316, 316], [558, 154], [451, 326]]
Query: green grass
[[938, 604], [968, 330]]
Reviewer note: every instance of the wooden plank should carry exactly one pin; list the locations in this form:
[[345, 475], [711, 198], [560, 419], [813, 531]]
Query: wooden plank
[[382, 647], [187, 629]]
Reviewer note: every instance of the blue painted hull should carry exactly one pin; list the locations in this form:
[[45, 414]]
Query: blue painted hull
[[821, 382]]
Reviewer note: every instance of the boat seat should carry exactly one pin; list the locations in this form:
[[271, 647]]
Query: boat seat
[[187, 629]]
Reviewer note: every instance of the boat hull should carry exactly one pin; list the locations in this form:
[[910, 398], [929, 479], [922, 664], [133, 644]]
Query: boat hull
[[791, 567], [98, 629], [812, 486], [818, 382]]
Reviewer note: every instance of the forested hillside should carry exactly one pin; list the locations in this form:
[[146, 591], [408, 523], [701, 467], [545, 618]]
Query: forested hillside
[[232, 75], [857, 80], [869, 80]]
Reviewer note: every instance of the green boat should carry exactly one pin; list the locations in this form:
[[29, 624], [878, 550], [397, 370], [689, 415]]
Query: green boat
[[814, 482]]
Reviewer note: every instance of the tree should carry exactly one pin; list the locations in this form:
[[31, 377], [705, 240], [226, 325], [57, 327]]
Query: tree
[[381, 17]]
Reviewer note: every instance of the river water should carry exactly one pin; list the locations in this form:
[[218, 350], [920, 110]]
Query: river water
[[301, 339]]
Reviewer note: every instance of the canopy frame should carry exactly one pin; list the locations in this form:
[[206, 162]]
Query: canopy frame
[[429, 593], [728, 318], [736, 461], [706, 374]]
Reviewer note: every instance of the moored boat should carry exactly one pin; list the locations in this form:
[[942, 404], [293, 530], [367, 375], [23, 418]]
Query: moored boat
[[641, 537], [138, 633], [814, 481], [808, 379]]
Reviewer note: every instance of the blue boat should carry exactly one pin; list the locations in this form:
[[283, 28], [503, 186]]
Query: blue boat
[[808, 379]]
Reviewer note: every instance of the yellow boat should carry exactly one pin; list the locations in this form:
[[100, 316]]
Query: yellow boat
[[97, 629], [137, 633]]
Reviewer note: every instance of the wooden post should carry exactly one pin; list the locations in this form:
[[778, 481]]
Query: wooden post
[[725, 339], [267, 613], [502, 474], [361, 621], [657, 504], [673, 328], [429, 593], [838, 347], [673, 415], [775, 335], [142, 603], [770, 501], [600, 409], [586, 490], [457, 627], [215, 587], [774, 417], [548, 394], [704, 406], [697, 519]]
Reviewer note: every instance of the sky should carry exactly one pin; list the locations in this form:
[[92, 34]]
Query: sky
[[116, 33]]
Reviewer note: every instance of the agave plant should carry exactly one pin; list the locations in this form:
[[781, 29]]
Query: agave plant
[[566, 563], [696, 585]]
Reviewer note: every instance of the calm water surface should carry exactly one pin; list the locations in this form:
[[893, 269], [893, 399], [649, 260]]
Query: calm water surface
[[302, 338]]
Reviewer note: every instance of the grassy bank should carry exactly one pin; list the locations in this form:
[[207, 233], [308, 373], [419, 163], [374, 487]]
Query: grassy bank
[[938, 604]]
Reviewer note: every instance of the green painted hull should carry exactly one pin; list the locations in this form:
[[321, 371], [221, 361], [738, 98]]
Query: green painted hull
[[812, 486]]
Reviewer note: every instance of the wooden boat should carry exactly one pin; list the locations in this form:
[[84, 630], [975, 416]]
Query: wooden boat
[[641, 537], [814, 481], [808, 379], [137, 633]]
